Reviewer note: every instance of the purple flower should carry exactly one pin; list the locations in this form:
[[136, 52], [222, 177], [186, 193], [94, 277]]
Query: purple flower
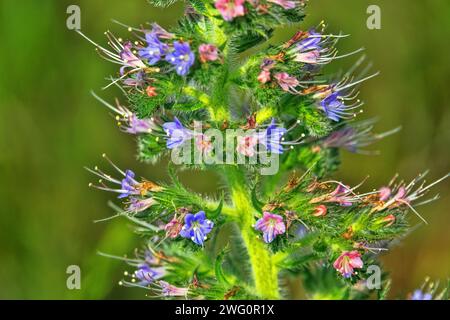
[[314, 48], [347, 138], [332, 99], [196, 227], [129, 59], [121, 53], [177, 134], [310, 57], [136, 80], [267, 64], [311, 42], [138, 205], [420, 295], [181, 57], [354, 138], [155, 49], [271, 138], [160, 32], [271, 225], [147, 275], [150, 259], [137, 126], [169, 290], [341, 195], [333, 107], [128, 185]]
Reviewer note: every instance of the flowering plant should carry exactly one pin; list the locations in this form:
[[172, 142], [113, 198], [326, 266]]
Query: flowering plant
[[186, 88]]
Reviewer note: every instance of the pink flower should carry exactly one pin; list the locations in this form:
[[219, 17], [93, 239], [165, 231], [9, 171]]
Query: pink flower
[[246, 145], [264, 76], [286, 82], [310, 57], [341, 196], [173, 228], [348, 261], [384, 193], [320, 211], [208, 52], [284, 3], [169, 290], [230, 9], [271, 225], [203, 143]]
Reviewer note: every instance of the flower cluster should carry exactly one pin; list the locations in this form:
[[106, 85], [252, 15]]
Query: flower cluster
[[312, 49], [270, 138], [190, 87], [140, 59]]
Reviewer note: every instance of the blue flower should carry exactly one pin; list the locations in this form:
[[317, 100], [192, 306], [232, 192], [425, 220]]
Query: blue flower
[[333, 107], [155, 49], [177, 134], [128, 185], [271, 138], [196, 227], [420, 295], [147, 275], [181, 57], [312, 42]]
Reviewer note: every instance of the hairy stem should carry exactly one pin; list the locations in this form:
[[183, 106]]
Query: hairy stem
[[265, 273]]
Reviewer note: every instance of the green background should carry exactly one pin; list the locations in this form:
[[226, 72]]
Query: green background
[[51, 127]]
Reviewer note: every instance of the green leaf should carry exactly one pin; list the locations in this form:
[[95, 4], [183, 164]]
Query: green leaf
[[220, 275], [245, 41], [258, 205], [214, 214], [199, 6]]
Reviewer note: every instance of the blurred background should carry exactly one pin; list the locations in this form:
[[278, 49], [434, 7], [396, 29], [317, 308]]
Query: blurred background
[[50, 127]]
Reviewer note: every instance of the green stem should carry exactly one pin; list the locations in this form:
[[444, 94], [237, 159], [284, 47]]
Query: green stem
[[265, 273], [217, 112]]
